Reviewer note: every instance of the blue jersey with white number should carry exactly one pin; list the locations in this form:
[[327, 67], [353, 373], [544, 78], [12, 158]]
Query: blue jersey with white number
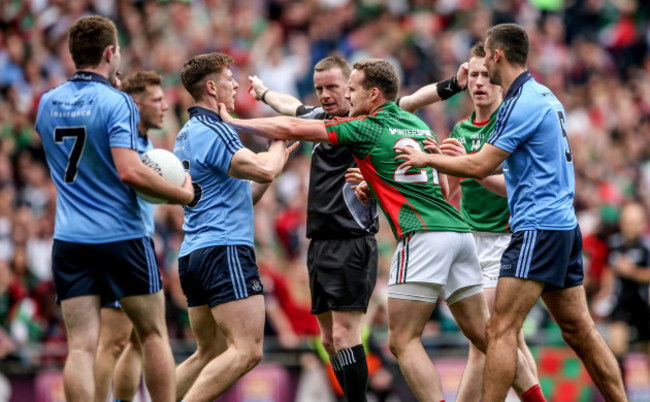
[[539, 171], [79, 122], [144, 145], [222, 210]]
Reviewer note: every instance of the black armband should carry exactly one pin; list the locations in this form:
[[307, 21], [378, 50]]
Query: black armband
[[448, 88], [264, 95]]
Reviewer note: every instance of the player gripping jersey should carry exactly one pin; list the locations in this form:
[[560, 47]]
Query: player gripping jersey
[[483, 210], [412, 200]]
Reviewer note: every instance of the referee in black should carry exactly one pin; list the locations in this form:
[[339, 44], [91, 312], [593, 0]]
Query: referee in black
[[342, 256]]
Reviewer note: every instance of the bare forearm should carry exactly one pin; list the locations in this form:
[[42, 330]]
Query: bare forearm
[[283, 128], [282, 103], [146, 181], [424, 96], [258, 190], [459, 166], [495, 184]]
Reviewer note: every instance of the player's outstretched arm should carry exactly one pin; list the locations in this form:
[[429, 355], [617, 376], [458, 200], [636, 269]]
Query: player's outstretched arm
[[138, 176], [476, 166], [495, 183], [262, 167], [282, 103], [279, 128], [258, 189], [433, 93]]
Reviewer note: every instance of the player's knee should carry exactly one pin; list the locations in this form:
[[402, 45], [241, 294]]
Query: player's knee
[[345, 339], [478, 338], [328, 344], [578, 333], [397, 342], [252, 357], [117, 347], [497, 328]]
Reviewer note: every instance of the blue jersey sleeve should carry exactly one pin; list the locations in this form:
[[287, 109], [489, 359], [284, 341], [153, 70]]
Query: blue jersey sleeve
[[122, 122], [221, 142], [515, 124]]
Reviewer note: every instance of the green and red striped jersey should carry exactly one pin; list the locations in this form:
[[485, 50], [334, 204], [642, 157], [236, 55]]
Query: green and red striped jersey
[[482, 209], [411, 199]]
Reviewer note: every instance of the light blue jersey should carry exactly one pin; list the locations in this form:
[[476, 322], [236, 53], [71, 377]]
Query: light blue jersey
[[222, 211], [144, 145], [79, 122], [539, 171]]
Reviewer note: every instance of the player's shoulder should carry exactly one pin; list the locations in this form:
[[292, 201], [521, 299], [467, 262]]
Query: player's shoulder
[[206, 124], [464, 121]]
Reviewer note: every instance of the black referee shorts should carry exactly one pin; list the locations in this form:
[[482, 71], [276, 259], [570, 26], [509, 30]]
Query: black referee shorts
[[342, 273]]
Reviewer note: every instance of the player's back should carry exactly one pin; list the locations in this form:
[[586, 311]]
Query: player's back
[[79, 122], [539, 171], [411, 199], [222, 210]]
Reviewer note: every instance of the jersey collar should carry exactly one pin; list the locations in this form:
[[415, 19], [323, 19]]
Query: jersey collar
[[517, 83], [82, 75], [389, 104], [201, 111]]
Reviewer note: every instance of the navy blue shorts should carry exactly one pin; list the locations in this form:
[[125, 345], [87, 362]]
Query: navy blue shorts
[[111, 270], [550, 256], [219, 274]]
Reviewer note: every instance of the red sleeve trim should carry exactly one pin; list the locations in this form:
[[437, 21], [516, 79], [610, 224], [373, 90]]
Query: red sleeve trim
[[333, 139]]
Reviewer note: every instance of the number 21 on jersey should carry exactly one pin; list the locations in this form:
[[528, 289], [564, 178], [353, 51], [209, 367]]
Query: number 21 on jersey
[[417, 175]]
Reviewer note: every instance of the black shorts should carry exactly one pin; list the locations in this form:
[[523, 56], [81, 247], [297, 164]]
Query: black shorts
[[550, 256], [636, 313], [111, 270], [219, 274], [342, 273]]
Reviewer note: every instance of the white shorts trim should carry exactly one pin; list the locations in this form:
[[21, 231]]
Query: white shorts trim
[[447, 259], [490, 248], [417, 291]]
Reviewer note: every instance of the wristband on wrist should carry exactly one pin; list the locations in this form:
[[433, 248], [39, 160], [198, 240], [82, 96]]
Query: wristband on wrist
[[398, 100], [264, 95], [448, 88]]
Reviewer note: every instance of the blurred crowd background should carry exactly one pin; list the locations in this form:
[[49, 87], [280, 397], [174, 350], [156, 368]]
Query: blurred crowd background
[[594, 54]]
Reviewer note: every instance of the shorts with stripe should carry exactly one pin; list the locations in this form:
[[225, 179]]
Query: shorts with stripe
[[219, 274], [490, 248], [550, 256], [111, 270], [440, 258]]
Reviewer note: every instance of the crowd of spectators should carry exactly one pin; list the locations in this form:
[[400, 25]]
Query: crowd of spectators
[[594, 54]]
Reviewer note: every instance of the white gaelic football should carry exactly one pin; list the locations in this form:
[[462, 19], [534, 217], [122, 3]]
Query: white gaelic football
[[167, 165]]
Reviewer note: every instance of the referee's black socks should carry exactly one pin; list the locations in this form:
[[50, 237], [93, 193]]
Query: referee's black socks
[[355, 371], [338, 372]]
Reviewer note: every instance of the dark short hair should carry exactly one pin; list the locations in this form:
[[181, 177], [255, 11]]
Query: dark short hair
[[478, 50], [197, 69], [87, 39], [512, 39], [379, 74], [331, 62], [136, 84]]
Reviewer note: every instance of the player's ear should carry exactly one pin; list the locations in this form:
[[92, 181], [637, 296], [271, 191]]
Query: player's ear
[[211, 88], [109, 52], [374, 93], [498, 55]]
